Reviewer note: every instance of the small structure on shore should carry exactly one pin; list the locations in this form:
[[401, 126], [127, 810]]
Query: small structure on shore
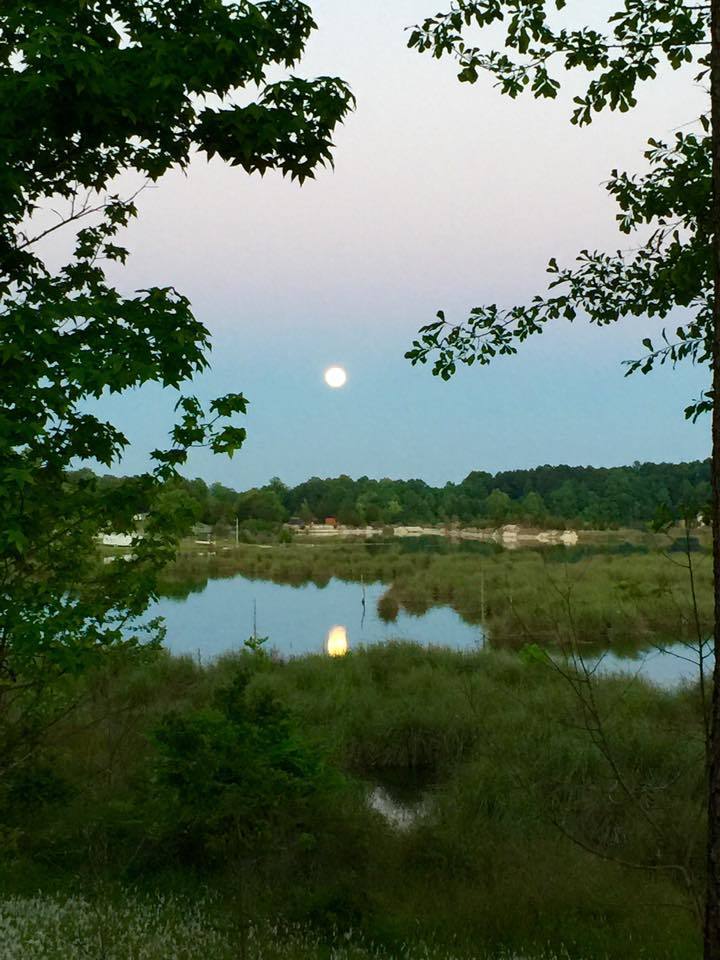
[[116, 539], [203, 533]]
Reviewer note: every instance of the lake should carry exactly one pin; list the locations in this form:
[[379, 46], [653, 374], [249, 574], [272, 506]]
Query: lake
[[307, 619]]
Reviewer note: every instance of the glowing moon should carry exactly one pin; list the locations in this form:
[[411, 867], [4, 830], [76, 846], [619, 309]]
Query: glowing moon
[[335, 377], [337, 644]]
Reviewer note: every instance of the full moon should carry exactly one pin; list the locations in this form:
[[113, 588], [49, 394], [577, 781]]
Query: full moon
[[335, 377]]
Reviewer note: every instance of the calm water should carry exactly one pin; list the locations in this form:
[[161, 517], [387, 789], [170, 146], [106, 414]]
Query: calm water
[[298, 620], [306, 619]]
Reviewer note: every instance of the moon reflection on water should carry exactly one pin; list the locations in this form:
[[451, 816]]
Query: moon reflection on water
[[337, 644]]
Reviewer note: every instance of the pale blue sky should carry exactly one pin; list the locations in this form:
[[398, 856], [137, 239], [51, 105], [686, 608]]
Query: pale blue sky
[[444, 195]]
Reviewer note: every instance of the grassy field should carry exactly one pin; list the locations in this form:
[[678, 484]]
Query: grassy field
[[562, 816]]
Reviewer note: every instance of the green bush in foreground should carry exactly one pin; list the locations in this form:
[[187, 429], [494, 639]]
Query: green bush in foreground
[[231, 777]]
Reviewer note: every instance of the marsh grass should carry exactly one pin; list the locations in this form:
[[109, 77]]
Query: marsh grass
[[501, 747], [517, 781]]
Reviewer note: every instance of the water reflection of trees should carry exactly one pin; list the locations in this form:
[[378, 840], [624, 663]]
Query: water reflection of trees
[[186, 577], [625, 611]]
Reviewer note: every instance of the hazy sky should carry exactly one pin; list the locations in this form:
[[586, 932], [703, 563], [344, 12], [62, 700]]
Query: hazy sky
[[443, 195]]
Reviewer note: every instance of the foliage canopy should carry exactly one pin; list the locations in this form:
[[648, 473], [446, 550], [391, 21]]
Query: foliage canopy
[[546, 495], [91, 92], [668, 271]]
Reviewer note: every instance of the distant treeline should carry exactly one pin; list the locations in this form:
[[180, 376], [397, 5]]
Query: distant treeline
[[546, 496]]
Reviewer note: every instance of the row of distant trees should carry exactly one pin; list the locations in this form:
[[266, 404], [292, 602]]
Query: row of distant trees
[[544, 496]]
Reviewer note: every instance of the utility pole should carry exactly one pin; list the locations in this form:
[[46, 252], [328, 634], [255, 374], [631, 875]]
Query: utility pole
[[237, 532]]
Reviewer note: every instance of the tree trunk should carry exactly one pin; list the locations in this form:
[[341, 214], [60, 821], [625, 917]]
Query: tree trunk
[[712, 907]]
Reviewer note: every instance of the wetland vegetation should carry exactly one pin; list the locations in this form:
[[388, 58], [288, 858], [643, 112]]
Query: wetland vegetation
[[422, 801], [623, 595], [558, 816], [528, 807]]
